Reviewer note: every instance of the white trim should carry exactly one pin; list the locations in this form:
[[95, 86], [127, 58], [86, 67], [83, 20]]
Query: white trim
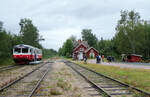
[[91, 48], [78, 46]]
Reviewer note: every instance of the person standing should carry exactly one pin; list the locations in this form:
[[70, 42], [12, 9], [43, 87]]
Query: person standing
[[102, 58], [85, 58], [99, 58]]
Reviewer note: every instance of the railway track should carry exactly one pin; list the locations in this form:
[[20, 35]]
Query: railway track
[[27, 84], [108, 87], [9, 67]]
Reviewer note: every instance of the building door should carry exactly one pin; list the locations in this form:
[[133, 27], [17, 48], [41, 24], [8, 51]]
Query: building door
[[80, 56], [92, 55]]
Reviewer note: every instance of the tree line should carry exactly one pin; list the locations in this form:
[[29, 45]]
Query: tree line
[[28, 34], [132, 37]]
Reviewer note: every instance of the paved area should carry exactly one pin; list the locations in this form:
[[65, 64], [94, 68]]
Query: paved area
[[123, 65]]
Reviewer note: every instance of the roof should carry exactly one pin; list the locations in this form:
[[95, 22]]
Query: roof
[[85, 43], [135, 55], [131, 55], [23, 45], [91, 48], [82, 43], [75, 43]]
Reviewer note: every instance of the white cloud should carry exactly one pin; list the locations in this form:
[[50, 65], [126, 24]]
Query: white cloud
[[58, 19]]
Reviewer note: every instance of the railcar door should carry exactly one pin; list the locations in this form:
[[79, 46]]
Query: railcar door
[[31, 54], [35, 55]]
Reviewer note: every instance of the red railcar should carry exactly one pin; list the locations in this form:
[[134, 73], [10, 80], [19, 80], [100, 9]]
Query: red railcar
[[23, 54]]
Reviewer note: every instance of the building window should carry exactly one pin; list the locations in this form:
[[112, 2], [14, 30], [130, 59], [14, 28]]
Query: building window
[[81, 49]]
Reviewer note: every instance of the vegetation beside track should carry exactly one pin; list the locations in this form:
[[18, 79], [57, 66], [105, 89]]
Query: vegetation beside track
[[6, 62], [49, 53], [136, 77]]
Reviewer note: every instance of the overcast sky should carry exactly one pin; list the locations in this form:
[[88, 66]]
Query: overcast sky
[[59, 19]]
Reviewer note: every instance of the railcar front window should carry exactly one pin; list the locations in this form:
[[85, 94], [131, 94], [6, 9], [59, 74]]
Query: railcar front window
[[17, 50], [24, 50]]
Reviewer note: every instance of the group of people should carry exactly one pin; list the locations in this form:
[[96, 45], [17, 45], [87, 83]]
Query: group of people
[[110, 59], [98, 58]]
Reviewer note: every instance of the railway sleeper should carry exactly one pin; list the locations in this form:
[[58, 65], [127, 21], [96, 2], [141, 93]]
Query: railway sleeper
[[90, 75], [119, 91], [107, 86], [116, 89], [129, 93]]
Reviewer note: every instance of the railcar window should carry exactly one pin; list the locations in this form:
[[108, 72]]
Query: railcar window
[[24, 50], [17, 50], [31, 51]]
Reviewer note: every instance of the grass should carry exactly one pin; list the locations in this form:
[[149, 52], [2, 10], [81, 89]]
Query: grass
[[139, 78], [63, 84], [55, 91], [6, 62]]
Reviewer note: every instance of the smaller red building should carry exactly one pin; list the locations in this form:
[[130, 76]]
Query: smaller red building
[[91, 52], [82, 48], [132, 58]]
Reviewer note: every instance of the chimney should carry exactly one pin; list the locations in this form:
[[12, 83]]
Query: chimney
[[79, 41]]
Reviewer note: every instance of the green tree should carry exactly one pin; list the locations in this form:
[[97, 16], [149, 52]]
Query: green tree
[[73, 38], [29, 33], [66, 49], [1, 25], [106, 47], [144, 45], [48, 53], [133, 34], [60, 52], [127, 33], [88, 36], [5, 43]]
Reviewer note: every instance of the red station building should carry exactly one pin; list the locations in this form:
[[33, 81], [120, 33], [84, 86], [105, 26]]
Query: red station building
[[82, 48]]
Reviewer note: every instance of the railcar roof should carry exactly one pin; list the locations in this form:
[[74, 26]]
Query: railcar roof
[[23, 45]]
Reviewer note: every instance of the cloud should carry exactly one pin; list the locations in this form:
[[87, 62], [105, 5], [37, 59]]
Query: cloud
[[58, 19]]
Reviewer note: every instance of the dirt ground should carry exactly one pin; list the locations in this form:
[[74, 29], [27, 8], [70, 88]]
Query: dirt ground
[[62, 81]]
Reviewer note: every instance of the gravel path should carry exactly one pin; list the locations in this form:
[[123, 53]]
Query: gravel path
[[62, 81], [123, 65], [24, 87], [10, 75]]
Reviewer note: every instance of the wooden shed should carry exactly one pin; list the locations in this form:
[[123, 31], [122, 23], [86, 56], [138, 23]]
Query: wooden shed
[[132, 58]]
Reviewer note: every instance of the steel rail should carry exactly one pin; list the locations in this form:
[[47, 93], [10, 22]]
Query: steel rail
[[38, 84], [8, 67], [91, 82], [15, 81], [124, 84]]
